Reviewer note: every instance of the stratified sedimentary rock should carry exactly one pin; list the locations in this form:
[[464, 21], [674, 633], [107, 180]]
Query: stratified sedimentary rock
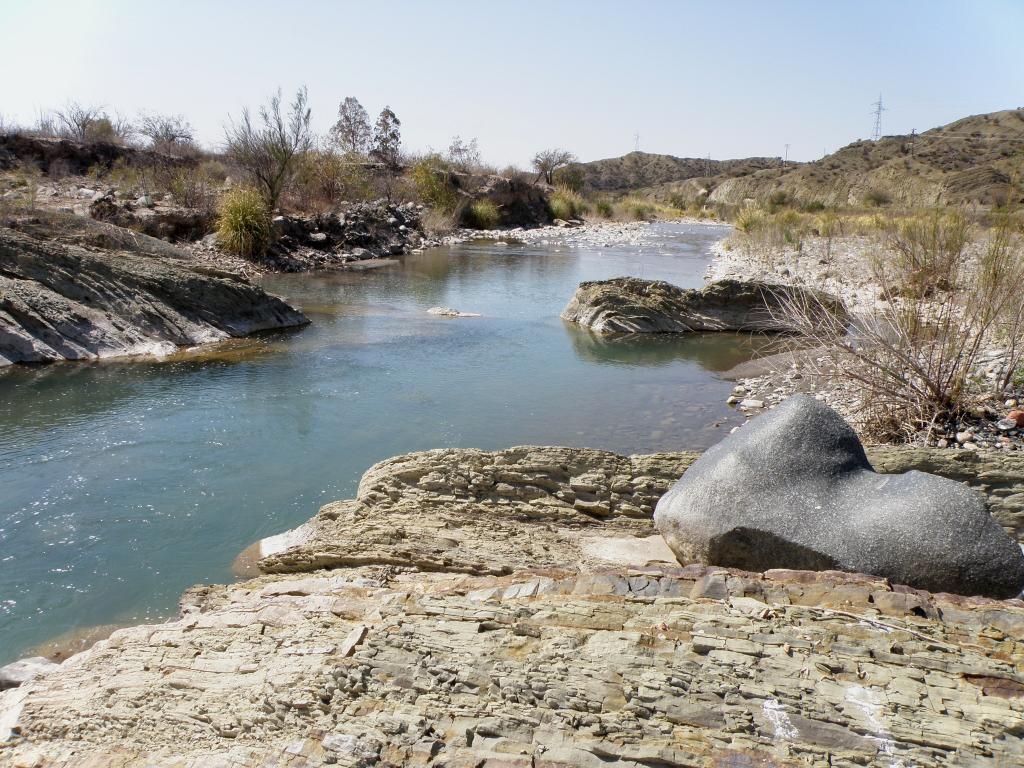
[[794, 489], [631, 305], [67, 302], [511, 608]]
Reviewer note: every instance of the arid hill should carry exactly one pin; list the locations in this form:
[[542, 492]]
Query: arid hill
[[974, 161], [642, 170]]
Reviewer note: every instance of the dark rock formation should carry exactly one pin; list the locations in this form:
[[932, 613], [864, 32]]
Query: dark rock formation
[[631, 305], [58, 157], [794, 489], [60, 301], [358, 232], [172, 223], [519, 203]]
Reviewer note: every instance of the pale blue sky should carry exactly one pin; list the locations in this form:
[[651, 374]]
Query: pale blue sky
[[731, 79]]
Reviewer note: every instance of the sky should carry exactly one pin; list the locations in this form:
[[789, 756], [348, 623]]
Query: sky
[[729, 79]]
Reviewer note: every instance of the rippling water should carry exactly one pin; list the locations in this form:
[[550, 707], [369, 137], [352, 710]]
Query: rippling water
[[122, 484]]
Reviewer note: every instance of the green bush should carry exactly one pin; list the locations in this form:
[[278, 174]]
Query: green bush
[[482, 214], [814, 206], [244, 223], [567, 204], [431, 178], [777, 199], [749, 220], [877, 198], [641, 211], [604, 209]]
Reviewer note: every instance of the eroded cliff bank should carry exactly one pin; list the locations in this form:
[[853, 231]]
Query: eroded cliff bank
[[514, 608]]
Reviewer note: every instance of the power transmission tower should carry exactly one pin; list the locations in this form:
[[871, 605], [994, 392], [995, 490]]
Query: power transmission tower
[[913, 136], [786, 159], [707, 165], [879, 109], [636, 142]]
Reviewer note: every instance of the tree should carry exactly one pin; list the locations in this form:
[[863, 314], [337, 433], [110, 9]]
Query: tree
[[166, 133], [268, 153], [387, 139], [464, 155], [547, 161], [80, 122], [352, 131]]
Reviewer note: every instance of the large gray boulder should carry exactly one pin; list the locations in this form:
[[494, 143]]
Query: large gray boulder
[[794, 489], [631, 305]]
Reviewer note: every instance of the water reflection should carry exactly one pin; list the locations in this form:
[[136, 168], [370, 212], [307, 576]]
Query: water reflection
[[712, 351]]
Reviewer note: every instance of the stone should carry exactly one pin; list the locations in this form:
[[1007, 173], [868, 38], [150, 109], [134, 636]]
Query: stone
[[1017, 417], [466, 620], [1005, 425], [136, 296], [794, 489], [631, 305], [449, 312], [16, 673], [751, 403]]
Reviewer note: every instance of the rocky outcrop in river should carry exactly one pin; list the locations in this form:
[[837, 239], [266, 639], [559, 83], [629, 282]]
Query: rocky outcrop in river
[[512, 609], [62, 301], [631, 305]]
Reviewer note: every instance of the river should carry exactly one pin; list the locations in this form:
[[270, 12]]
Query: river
[[122, 484]]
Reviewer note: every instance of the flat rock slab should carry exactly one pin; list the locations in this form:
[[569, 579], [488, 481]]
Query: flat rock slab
[[631, 305], [630, 667], [794, 489]]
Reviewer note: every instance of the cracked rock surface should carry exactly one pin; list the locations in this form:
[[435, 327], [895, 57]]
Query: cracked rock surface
[[488, 629]]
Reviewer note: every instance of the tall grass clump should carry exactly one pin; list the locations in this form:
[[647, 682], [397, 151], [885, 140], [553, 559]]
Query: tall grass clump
[[482, 214], [604, 209], [244, 225], [566, 203]]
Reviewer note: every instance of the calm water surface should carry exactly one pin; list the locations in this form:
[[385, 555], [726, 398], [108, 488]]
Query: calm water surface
[[123, 484]]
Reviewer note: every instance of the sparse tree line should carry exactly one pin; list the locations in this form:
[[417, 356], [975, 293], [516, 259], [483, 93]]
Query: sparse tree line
[[275, 146]]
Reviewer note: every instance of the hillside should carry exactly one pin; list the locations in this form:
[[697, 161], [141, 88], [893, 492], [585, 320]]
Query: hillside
[[642, 170], [976, 160]]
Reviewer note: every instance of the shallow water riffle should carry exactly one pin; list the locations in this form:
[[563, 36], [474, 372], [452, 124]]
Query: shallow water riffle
[[125, 483]]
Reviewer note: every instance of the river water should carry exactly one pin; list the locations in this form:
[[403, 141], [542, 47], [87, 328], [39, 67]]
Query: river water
[[122, 484]]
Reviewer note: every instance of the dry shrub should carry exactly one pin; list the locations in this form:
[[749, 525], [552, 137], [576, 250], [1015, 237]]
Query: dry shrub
[[325, 178], [914, 361]]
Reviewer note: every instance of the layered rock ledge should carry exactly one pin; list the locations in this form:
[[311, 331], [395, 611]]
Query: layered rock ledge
[[510, 609], [61, 300], [632, 305]]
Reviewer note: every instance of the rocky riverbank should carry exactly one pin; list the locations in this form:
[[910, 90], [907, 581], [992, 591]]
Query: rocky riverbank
[[74, 290], [841, 266], [515, 608]]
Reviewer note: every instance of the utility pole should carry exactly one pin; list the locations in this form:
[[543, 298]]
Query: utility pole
[[879, 109]]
